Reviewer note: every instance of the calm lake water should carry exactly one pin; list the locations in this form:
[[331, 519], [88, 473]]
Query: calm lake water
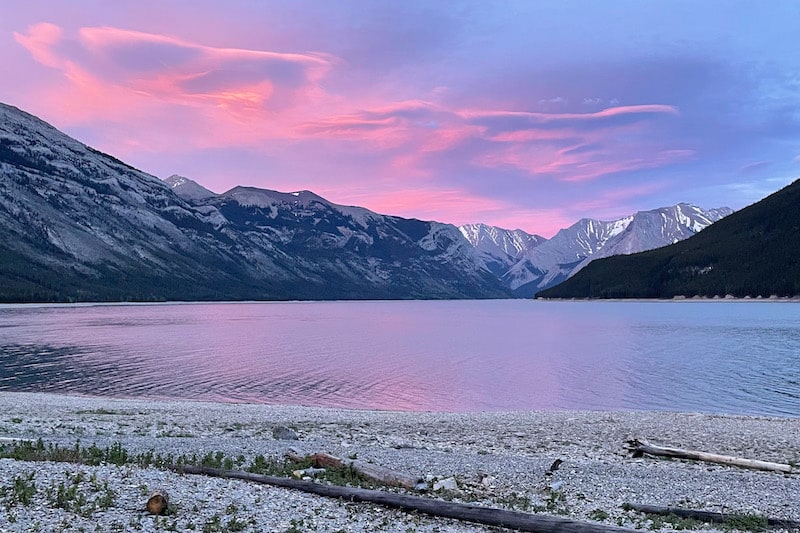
[[730, 357]]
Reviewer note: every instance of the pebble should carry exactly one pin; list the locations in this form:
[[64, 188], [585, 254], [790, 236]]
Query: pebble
[[283, 433], [483, 455]]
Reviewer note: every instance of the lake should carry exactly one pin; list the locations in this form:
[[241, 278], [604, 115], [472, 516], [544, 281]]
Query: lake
[[703, 356]]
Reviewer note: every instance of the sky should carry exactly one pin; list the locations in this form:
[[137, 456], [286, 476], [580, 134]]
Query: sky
[[523, 114]]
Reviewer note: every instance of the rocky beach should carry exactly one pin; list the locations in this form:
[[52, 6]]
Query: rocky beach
[[572, 464]]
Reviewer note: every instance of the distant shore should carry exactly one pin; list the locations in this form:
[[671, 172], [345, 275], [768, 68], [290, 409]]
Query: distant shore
[[494, 459], [679, 298]]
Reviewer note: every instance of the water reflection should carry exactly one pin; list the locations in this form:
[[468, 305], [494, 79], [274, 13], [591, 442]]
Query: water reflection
[[458, 356]]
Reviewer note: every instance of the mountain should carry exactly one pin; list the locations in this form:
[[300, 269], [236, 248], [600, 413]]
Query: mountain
[[499, 248], [753, 252], [537, 263], [188, 189], [80, 225]]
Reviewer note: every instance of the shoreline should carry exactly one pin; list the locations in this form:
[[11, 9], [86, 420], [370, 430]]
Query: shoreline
[[678, 298], [497, 459]]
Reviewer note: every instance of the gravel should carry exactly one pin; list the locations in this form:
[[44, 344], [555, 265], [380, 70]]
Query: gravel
[[494, 459]]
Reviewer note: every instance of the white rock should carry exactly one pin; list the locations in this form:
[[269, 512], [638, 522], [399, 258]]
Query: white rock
[[446, 484]]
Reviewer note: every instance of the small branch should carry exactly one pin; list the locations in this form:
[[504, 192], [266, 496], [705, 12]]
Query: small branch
[[642, 446], [708, 516], [491, 516]]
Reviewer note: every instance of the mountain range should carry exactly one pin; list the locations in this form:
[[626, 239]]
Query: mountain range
[[528, 264], [754, 252], [80, 225]]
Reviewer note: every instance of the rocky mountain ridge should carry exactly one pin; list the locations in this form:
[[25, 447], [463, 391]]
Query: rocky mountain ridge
[[530, 263]]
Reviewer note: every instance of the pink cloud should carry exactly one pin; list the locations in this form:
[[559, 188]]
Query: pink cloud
[[408, 108], [373, 122], [41, 41], [349, 127], [624, 161], [531, 142], [589, 154], [410, 130], [141, 73], [171, 68]]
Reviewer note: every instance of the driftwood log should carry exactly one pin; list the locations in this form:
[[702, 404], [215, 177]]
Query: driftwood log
[[381, 474], [641, 446], [706, 516], [158, 502], [491, 516]]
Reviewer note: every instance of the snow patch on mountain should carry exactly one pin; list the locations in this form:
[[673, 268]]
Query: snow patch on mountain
[[499, 248], [188, 189]]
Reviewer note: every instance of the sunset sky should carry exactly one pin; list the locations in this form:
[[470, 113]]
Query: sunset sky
[[524, 114]]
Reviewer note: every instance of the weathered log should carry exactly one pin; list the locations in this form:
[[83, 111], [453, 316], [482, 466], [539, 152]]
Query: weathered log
[[491, 516], [381, 474], [640, 447], [158, 502], [378, 473], [708, 516]]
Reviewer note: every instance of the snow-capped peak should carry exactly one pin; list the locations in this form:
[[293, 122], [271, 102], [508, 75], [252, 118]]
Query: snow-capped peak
[[492, 238]]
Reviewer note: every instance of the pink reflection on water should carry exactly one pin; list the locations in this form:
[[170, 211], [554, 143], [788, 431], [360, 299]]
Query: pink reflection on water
[[452, 356], [375, 355]]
